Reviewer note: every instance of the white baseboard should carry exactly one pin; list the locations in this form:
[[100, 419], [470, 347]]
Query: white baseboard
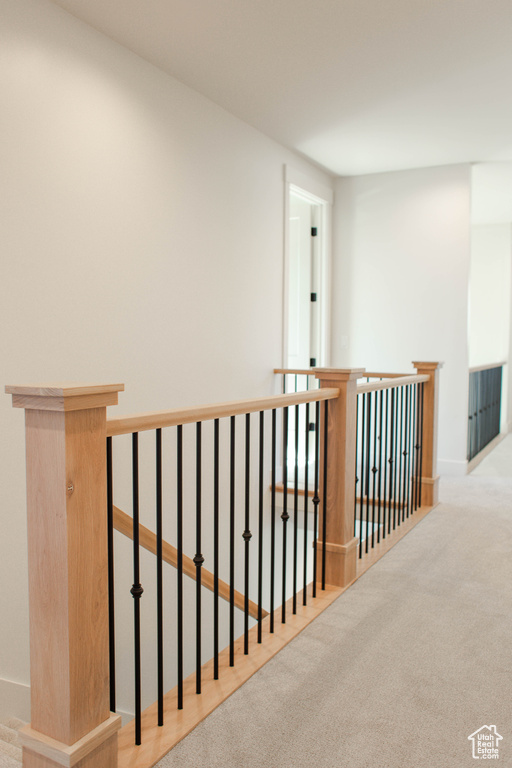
[[14, 700], [452, 467]]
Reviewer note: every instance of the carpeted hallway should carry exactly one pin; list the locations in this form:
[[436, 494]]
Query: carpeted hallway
[[408, 663]]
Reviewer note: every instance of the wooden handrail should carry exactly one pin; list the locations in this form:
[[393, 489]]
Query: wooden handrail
[[401, 381], [487, 367], [296, 371], [159, 419], [147, 539], [370, 375]]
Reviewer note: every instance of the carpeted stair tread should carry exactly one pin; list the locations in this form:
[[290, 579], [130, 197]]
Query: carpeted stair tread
[[14, 723]]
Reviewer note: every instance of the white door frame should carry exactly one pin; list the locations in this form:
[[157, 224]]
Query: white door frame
[[317, 193]]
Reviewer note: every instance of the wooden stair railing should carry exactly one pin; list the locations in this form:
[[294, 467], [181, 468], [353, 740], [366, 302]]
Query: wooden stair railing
[[147, 539], [66, 431]]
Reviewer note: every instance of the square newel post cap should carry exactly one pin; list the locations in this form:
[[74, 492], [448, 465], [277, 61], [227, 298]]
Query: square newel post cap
[[428, 366], [338, 374], [64, 397]]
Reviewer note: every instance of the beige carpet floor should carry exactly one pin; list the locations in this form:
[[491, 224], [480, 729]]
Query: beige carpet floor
[[408, 663]]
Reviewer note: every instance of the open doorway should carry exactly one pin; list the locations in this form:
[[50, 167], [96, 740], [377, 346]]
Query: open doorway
[[306, 299]]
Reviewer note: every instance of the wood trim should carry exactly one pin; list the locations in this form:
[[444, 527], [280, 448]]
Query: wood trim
[[487, 367], [401, 381], [147, 539], [296, 371], [157, 741], [383, 375], [159, 419], [62, 403], [64, 754]]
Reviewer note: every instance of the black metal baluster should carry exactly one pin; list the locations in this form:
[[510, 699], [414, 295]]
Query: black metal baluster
[[284, 516], [380, 464], [405, 455], [306, 502], [198, 557], [368, 469], [179, 541], [295, 509], [362, 485], [316, 499], [232, 545], [357, 479], [111, 612], [216, 430], [324, 499], [260, 524], [385, 507], [410, 452], [401, 457], [273, 521], [374, 468], [136, 589], [247, 535], [159, 579], [421, 440], [395, 468], [415, 449]]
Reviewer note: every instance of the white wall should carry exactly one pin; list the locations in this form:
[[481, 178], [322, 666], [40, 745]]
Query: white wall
[[401, 264], [489, 300], [489, 294], [141, 241]]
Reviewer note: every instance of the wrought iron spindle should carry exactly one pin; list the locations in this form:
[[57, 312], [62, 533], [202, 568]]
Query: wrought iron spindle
[[179, 542], [159, 580], [400, 455], [422, 387], [395, 451], [136, 589], [198, 557], [247, 535], [357, 472], [386, 502], [111, 612], [405, 454], [374, 468], [380, 465], [316, 498], [295, 509], [232, 544], [368, 469], [306, 501], [284, 516], [260, 523], [362, 486], [216, 430], [273, 521], [409, 452], [324, 494]]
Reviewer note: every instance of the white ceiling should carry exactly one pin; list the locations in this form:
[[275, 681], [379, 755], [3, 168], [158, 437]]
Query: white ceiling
[[358, 86]]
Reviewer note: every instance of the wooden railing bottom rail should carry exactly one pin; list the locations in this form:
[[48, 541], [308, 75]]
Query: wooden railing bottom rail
[[158, 740]]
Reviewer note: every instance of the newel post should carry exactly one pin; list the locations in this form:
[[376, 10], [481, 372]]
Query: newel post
[[68, 585], [429, 476], [340, 542]]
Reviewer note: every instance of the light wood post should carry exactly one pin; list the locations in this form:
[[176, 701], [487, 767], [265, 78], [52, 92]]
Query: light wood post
[[68, 586], [429, 476], [341, 544]]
